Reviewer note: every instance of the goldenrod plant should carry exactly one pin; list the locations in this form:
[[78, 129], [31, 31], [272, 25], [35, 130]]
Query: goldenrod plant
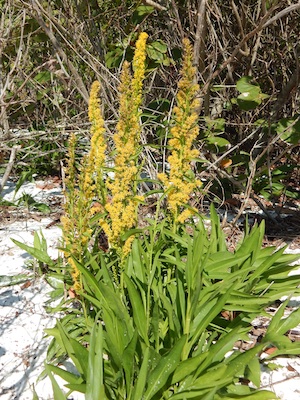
[[115, 199], [161, 313], [181, 181]]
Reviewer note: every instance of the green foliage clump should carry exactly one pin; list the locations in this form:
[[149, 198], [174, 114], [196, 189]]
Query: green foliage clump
[[171, 331]]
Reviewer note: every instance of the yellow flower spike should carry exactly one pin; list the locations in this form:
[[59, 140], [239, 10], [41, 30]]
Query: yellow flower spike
[[98, 142], [127, 246], [122, 208], [179, 185], [77, 229], [138, 65], [187, 213]]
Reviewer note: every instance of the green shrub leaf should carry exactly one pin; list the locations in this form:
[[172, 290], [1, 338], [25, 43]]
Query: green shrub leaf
[[165, 367]]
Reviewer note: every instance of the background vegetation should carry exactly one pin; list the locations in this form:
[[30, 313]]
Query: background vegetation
[[247, 60]]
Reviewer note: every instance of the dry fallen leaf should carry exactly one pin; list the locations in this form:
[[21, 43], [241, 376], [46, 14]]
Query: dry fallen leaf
[[225, 163], [72, 293], [290, 368], [271, 350], [26, 285]]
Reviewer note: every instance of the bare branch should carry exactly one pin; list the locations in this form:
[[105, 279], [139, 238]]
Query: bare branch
[[178, 21], [282, 14], [292, 84], [238, 18], [199, 44], [9, 166], [37, 14], [155, 5], [264, 21]]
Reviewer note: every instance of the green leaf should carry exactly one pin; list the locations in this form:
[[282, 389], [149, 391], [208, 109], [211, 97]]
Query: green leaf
[[253, 371], [216, 353], [222, 261], [261, 267], [289, 129], [112, 301], [57, 392], [272, 366], [137, 256], [142, 377], [276, 319], [6, 280], [55, 281], [65, 375], [217, 141], [81, 387], [128, 361], [40, 255], [37, 242], [75, 350], [237, 364], [24, 176], [91, 280], [35, 396], [116, 336], [207, 313], [114, 57], [43, 208], [215, 126], [176, 238], [188, 367], [153, 54], [139, 315], [140, 14], [214, 377], [245, 103], [257, 395], [243, 85], [279, 326], [217, 238], [251, 95], [94, 379], [203, 394], [160, 46], [289, 322], [43, 77], [164, 369]]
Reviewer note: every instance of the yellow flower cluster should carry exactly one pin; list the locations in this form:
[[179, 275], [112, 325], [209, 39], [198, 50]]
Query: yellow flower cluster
[[122, 208], [79, 197], [181, 182], [138, 65], [98, 142]]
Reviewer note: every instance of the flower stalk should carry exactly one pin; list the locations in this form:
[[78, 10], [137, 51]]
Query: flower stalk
[[83, 189], [123, 205], [180, 183]]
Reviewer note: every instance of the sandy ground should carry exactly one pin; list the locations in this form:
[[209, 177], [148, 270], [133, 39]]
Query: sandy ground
[[23, 317]]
